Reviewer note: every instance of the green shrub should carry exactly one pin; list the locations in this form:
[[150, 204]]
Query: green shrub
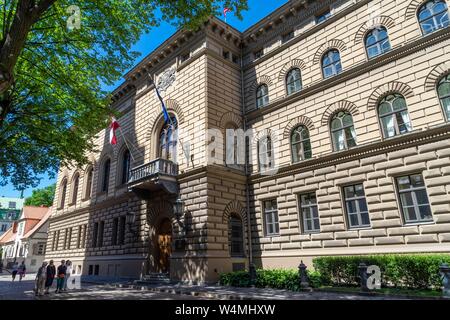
[[414, 271], [277, 279]]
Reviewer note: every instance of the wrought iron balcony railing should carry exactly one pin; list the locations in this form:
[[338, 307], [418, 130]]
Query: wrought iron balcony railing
[[154, 168]]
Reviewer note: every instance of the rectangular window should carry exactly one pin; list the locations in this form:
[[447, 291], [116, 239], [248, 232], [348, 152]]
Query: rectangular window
[[91, 270], [356, 206], [121, 238], [95, 235], [414, 199], [101, 229], [83, 237], [80, 229], [57, 240], [96, 270], [287, 37], [40, 248], [324, 15], [226, 54], [4, 227], [258, 54], [12, 205], [115, 231], [309, 213], [235, 58], [185, 57], [271, 218]]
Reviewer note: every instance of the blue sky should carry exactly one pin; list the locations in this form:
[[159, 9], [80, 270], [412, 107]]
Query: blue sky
[[257, 10]]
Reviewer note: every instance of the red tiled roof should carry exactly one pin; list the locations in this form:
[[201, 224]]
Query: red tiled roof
[[30, 212], [8, 236], [44, 219]]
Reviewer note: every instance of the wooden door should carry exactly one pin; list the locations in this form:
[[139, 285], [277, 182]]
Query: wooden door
[[165, 245]]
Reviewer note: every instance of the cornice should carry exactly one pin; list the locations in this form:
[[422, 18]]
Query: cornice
[[291, 23], [412, 139], [401, 51], [92, 207]]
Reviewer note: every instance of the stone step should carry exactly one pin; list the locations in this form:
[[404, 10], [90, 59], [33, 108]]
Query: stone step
[[154, 278]]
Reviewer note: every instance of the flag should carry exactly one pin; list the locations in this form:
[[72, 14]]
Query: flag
[[112, 132], [225, 11], [164, 109]]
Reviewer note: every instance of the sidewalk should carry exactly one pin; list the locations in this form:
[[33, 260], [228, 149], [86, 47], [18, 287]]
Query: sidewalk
[[231, 293]]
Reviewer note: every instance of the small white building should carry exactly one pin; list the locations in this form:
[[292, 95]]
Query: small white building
[[26, 239], [10, 209]]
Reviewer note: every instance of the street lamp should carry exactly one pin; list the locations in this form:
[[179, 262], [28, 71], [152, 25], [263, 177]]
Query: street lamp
[[178, 208]]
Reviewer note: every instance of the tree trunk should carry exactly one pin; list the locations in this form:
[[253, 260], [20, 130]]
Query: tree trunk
[[27, 13]]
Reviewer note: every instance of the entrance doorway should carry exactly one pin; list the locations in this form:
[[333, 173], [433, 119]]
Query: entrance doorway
[[164, 245]]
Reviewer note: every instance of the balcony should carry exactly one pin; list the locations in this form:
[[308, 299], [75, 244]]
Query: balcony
[[159, 174]]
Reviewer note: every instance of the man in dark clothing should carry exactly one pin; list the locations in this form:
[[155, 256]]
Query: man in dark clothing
[[61, 274], [51, 271]]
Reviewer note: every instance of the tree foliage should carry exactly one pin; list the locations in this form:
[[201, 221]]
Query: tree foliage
[[41, 197], [51, 77]]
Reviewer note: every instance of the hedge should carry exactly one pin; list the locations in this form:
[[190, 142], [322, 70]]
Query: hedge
[[419, 271], [413, 271]]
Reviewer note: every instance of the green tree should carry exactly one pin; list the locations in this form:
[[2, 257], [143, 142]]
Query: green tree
[[41, 197], [51, 75]]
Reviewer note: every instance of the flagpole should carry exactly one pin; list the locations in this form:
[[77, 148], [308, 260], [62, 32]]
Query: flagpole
[[126, 143]]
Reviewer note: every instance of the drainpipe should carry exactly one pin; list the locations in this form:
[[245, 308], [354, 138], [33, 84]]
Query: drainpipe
[[247, 174]]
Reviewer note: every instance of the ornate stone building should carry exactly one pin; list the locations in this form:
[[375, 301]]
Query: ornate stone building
[[348, 103]]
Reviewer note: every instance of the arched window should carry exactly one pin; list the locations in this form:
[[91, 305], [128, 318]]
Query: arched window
[[168, 140], [105, 176], [301, 146], [433, 15], [342, 131], [62, 197], [444, 95], [236, 236], [293, 81], [76, 184], [89, 180], [125, 166], [394, 117], [331, 63], [265, 153], [377, 42], [262, 96]]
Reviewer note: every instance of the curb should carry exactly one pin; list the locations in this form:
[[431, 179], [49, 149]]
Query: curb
[[218, 296], [376, 294]]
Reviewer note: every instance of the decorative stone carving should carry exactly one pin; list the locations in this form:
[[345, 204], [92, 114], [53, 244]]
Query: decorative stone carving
[[166, 79]]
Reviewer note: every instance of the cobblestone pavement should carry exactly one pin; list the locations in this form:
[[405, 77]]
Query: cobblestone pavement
[[24, 291]]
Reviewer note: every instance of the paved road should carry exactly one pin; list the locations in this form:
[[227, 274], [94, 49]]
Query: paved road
[[24, 291]]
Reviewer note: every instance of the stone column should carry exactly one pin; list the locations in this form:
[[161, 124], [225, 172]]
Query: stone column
[[444, 270], [362, 271]]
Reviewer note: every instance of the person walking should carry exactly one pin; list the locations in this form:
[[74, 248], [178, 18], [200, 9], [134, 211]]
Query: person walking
[[15, 269], [60, 276], [1, 266], [51, 272], [68, 273], [41, 278], [21, 270]]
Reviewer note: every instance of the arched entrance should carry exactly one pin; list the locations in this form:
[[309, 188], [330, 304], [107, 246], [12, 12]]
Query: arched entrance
[[164, 245]]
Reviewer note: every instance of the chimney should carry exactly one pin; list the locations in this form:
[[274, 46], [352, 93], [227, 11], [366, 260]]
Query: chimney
[[15, 224]]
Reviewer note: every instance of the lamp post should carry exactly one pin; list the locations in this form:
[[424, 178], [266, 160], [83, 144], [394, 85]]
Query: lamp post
[[178, 210]]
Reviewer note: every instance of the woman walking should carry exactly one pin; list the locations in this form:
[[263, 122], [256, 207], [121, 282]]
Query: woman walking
[[14, 271], [21, 270], [68, 273], [41, 279], [61, 275], [51, 271]]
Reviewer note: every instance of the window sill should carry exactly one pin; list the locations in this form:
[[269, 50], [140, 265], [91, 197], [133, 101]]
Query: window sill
[[409, 224]]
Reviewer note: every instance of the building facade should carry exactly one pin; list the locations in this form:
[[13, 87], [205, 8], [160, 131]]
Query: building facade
[[10, 209], [344, 107], [26, 239]]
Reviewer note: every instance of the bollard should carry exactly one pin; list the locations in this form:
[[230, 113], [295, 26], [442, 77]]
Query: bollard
[[252, 271], [444, 271], [362, 271], [303, 276]]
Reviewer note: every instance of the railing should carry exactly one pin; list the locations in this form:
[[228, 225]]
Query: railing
[[153, 168]]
